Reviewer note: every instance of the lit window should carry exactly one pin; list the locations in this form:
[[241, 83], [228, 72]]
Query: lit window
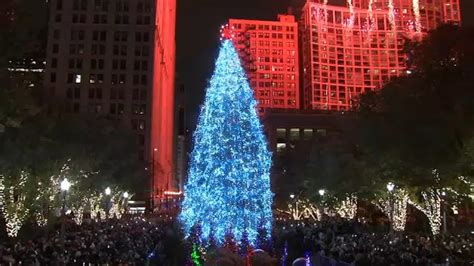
[[77, 79], [307, 134], [321, 132], [294, 134], [281, 133], [281, 147]]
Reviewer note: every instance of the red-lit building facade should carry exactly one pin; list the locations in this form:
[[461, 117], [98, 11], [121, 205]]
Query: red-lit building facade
[[162, 124], [350, 49], [269, 54], [116, 58]]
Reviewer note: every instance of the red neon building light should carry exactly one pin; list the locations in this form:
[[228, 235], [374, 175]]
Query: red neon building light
[[269, 53], [352, 49], [162, 137]]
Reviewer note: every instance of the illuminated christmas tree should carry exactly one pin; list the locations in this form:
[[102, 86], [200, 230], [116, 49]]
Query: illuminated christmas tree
[[228, 185]]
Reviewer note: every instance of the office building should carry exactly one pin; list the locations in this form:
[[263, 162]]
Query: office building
[[347, 50], [269, 54], [116, 58]]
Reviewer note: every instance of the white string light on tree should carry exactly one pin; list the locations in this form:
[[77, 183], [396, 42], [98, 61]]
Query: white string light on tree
[[303, 209], [14, 199], [348, 207], [431, 207], [399, 203]]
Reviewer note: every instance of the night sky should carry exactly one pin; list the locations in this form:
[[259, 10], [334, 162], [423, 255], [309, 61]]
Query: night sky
[[198, 23]]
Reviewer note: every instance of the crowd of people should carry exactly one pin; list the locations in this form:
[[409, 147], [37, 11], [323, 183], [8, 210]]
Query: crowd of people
[[156, 241], [126, 241], [337, 242]]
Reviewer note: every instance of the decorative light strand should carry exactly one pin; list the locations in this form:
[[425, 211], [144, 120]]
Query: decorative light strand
[[431, 207], [348, 207], [96, 206], [391, 15], [303, 209], [350, 22], [14, 200], [416, 11], [399, 212]]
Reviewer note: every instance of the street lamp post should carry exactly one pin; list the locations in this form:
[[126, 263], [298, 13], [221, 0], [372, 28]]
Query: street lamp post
[[443, 201], [294, 204], [125, 201], [321, 193], [108, 191], [390, 188], [65, 186]]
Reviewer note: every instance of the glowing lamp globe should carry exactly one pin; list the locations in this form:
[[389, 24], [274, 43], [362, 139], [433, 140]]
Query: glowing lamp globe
[[390, 186], [65, 185], [322, 192]]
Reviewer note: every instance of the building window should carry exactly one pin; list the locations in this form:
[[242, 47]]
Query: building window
[[141, 124], [98, 93], [143, 94], [77, 93], [69, 93], [59, 4], [281, 133], [91, 93], [135, 94], [141, 140], [113, 108], [307, 134], [280, 147], [294, 134], [121, 94], [54, 63], [120, 108], [142, 109], [56, 34], [55, 48], [113, 93], [321, 132], [98, 49], [76, 107], [77, 78], [122, 79], [92, 78]]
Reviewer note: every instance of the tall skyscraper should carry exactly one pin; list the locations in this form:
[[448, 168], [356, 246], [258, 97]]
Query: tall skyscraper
[[350, 49], [117, 58], [182, 135], [269, 52]]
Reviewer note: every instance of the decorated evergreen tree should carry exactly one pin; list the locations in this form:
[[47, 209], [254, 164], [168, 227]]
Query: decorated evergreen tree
[[196, 256], [244, 246], [195, 245], [211, 241], [263, 241], [195, 235], [228, 182], [229, 242]]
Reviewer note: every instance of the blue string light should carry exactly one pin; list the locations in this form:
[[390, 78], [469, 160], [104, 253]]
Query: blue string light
[[307, 257], [285, 254], [228, 185]]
